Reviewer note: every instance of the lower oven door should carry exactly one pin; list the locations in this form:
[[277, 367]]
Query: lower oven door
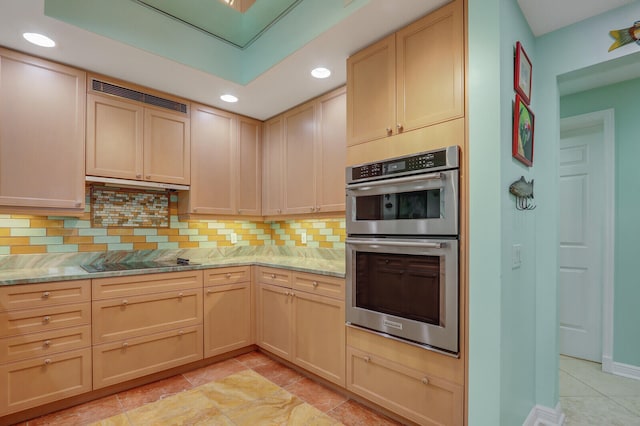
[[405, 287]]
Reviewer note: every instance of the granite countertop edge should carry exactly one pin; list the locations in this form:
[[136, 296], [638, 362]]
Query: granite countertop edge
[[69, 273]]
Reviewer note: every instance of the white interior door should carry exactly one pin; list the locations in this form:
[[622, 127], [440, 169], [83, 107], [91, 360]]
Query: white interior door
[[581, 241]]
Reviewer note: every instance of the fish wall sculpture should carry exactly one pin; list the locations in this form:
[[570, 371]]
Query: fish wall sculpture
[[625, 36], [523, 191]]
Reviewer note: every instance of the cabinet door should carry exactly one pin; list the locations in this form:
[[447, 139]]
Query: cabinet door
[[331, 152], [272, 166], [167, 145], [430, 69], [42, 111], [371, 92], [249, 161], [319, 336], [114, 138], [299, 170], [227, 318], [273, 319], [213, 146], [37, 381]]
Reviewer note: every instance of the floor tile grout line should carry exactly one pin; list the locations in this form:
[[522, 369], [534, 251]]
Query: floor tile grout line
[[586, 384]]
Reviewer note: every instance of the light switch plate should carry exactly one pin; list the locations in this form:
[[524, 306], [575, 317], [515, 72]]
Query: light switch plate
[[303, 238], [516, 256], [234, 238]]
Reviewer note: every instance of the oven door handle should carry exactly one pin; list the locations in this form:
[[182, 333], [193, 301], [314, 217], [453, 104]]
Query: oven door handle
[[406, 179], [363, 242]]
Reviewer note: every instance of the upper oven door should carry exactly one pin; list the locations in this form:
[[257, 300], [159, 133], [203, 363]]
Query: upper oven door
[[421, 204]]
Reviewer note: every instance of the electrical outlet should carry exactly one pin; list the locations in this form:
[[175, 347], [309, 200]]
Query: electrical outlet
[[234, 238], [516, 256], [303, 238]]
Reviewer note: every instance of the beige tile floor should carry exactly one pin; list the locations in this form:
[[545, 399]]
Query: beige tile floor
[[590, 397]]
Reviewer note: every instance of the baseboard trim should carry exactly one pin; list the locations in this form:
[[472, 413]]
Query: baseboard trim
[[625, 370], [607, 364], [545, 416]]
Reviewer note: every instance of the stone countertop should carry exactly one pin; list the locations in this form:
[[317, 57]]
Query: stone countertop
[[330, 267]]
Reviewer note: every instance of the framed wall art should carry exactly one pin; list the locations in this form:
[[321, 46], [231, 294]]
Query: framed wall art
[[522, 74], [523, 127]]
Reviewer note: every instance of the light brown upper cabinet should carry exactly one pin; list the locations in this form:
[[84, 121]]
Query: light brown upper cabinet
[[128, 140], [225, 164], [309, 142], [42, 116], [408, 80]]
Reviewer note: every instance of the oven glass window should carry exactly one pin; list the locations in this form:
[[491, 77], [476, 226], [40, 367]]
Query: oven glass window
[[404, 205], [406, 286]]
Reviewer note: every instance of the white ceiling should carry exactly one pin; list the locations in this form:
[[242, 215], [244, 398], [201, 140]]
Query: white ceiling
[[287, 83]]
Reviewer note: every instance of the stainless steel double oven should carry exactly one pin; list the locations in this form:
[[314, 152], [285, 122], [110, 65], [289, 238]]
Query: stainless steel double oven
[[402, 248]]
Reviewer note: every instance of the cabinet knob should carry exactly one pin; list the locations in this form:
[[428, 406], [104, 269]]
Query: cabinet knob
[[78, 203], [238, 211], [195, 210], [47, 361], [47, 343], [313, 209], [286, 293], [228, 275], [367, 359], [125, 302], [293, 294], [180, 333], [180, 295], [315, 283], [125, 345], [389, 131], [399, 127], [273, 276], [147, 177], [209, 291], [139, 175], [46, 295], [46, 319], [279, 211], [425, 381]]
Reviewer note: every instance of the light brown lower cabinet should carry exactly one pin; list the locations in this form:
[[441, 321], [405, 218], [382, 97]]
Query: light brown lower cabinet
[[36, 381], [300, 324], [228, 310], [423, 398], [116, 362]]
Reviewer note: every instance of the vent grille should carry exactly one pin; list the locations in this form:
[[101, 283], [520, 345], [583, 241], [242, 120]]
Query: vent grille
[[123, 92]]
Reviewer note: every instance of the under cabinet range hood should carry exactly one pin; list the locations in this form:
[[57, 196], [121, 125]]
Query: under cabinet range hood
[[127, 183]]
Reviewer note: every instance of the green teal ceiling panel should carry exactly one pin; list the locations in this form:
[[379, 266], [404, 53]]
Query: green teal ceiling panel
[[198, 43]]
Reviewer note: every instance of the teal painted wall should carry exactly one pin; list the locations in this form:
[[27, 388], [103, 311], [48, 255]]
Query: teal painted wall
[[570, 49], [502, 310], [623, 98]]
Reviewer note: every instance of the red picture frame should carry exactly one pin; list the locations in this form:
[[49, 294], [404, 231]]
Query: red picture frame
[[522, 73], [523, 129]]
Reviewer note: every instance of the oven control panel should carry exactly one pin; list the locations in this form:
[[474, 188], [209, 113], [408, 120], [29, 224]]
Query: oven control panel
[[422, 162]]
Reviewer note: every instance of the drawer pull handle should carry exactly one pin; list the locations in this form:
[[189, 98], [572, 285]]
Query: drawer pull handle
[[47, 361], [273, 276], [367, 359], [125, 302], [293, 294], [180, 295], [228, 275], [180, 333], [209, 291], [47, 343], [125, 345], [425, 381], [315, 283], [286, 293], [47, 319], [46, 295]]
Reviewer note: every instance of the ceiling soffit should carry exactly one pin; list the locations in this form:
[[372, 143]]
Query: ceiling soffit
[[141, 26]]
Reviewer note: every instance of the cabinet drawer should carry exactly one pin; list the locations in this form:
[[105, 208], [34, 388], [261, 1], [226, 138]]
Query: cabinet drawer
[[223, 276], [319, 284], [25, 321], [46, 294], [274, 276], [425, 399], [37, 381], [105, 288], [43, 344], [117, 319], [120, 361]]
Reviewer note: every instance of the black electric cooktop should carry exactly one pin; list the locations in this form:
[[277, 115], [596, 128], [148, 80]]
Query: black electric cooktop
[[128, 266]]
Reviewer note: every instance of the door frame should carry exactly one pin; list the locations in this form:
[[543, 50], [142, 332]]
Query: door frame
[[607, 120]]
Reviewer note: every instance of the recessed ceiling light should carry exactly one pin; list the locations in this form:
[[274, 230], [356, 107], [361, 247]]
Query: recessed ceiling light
[[320, 72], [39, 39], [229, 98]]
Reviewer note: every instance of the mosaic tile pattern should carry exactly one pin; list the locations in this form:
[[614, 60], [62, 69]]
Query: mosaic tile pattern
[[129, 208], [23, 234]]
